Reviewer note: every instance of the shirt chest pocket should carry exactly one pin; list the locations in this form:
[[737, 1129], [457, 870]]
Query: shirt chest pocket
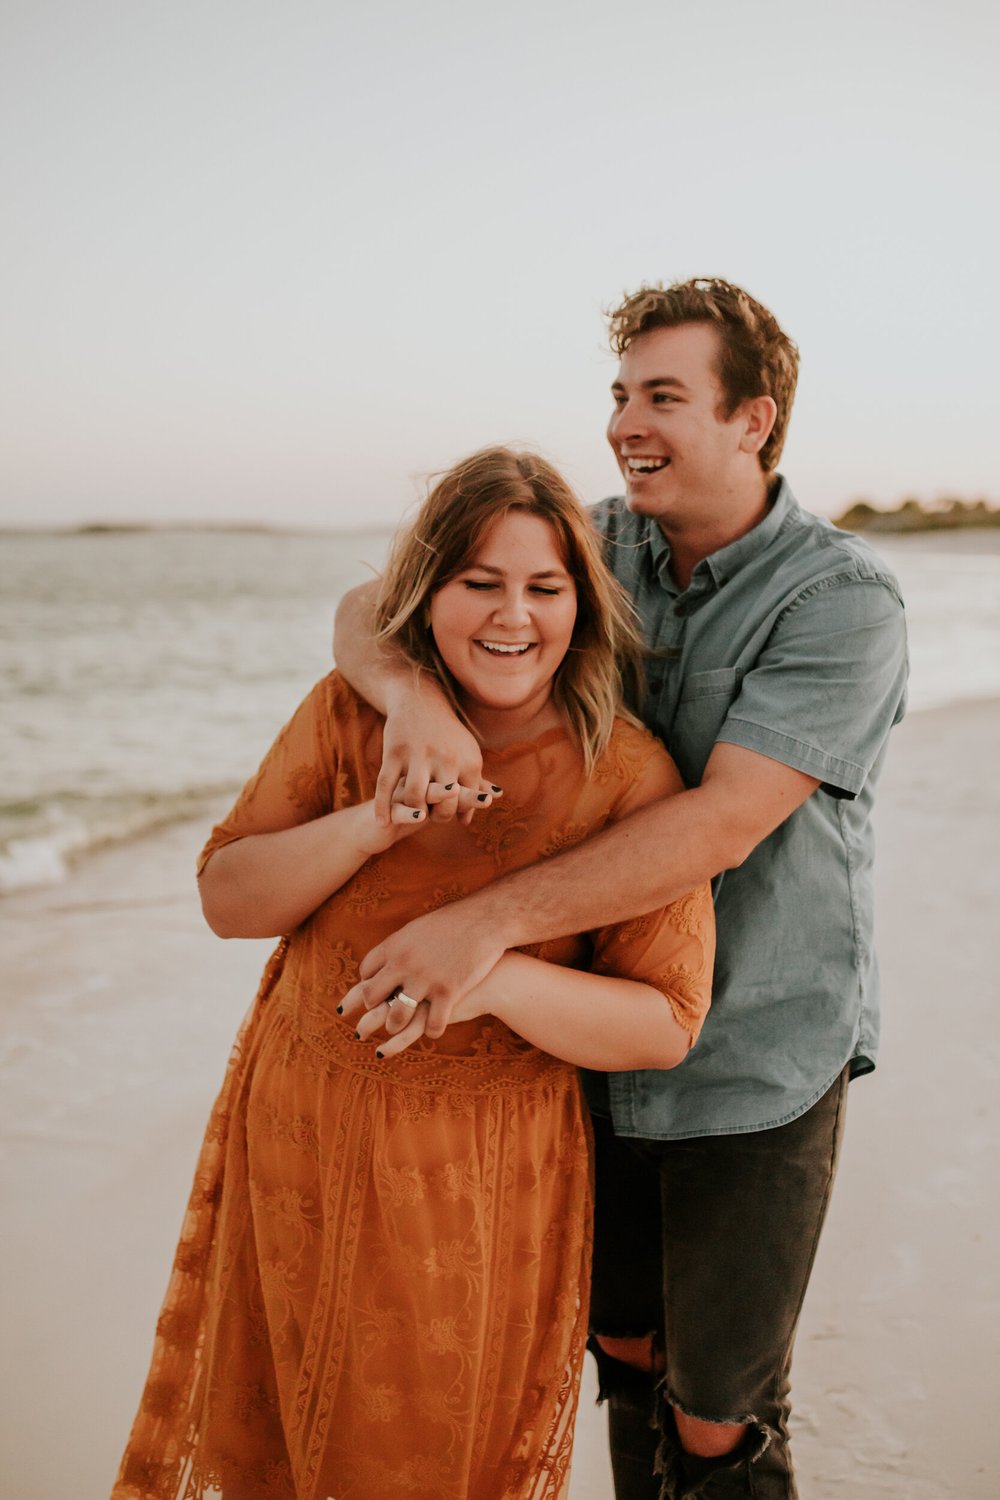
[[705, 700]]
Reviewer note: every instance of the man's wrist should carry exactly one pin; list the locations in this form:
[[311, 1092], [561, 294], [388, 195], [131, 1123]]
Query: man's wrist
[[494, 916], [406, 684]]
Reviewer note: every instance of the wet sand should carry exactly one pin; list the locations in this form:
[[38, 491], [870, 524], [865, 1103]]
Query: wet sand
[[119, 1007]]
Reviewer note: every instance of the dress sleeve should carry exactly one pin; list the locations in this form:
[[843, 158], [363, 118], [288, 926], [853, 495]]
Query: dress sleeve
[[673, 947], [295, 781]]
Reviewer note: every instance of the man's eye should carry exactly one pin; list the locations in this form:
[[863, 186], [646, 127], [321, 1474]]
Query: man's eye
[[660, 398]]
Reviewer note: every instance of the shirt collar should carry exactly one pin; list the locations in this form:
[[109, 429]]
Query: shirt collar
[[720, 566]]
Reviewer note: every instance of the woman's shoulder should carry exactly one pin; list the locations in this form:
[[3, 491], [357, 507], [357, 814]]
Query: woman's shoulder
[[343, 701], [631, 737], [632, 752], [347, 727]]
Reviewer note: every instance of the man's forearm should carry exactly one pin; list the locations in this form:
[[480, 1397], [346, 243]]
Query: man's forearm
[[374, 671], [648, 860], [423, 741]]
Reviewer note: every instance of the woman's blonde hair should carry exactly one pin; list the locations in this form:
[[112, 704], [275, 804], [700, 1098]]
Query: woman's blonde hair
[[602, 670]]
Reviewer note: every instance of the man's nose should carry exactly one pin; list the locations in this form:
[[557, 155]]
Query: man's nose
[[626, 422]]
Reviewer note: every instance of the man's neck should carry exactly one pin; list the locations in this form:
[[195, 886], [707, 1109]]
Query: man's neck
[[691, 544]]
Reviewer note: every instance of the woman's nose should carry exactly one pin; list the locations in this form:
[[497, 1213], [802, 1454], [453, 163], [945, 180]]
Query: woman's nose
[[512, 610]]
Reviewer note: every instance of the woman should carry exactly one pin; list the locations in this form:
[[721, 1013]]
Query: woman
[[381, 1285]]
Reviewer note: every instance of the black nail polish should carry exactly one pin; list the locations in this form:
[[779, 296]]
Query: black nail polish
[[497, 790], [380, 1056], [357, 1036], [340, 1010], [448, 785], [416, 815], [482, 796]]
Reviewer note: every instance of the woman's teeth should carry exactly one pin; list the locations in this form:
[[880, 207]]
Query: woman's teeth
[[499, 649]]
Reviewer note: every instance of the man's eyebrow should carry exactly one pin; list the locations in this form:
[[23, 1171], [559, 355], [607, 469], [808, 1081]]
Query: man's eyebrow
[[654, 383]]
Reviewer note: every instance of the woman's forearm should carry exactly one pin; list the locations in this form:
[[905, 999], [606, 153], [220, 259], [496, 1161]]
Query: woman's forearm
[[266, 884], [593, 1020]]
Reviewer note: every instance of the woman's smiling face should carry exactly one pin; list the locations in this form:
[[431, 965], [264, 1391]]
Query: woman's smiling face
[[504, 622]]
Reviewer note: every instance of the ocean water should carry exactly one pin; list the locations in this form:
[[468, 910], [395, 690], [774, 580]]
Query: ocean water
[[144, 674]]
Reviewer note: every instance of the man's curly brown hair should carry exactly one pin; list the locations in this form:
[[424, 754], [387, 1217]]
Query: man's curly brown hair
[[756, 358]]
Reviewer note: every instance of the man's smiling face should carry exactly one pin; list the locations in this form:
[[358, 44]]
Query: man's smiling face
[[680, 456]]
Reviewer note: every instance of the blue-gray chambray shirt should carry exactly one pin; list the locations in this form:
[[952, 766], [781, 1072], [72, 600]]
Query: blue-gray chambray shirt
[[790, 642]]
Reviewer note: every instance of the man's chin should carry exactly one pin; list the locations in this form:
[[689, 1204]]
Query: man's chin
[[641, 502]]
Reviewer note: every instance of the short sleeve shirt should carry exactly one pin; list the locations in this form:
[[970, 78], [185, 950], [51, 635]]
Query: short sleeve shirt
[[789, 642]]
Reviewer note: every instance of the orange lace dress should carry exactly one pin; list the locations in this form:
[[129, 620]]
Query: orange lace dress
[[381, 1284]]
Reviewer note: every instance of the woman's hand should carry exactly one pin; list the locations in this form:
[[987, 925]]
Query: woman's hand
[[592, 1019], [405, 1025], [405, 816]]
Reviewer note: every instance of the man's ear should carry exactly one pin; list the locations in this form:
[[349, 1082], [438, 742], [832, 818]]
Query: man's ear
[[758, 416]]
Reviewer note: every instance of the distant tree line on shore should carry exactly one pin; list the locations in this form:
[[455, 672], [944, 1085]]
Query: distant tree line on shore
[[913, 515]]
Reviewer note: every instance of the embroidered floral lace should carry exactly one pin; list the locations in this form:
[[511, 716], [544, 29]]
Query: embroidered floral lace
[[381, 1285]]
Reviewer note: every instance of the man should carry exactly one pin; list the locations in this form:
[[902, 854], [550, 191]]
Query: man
[[777, 667]]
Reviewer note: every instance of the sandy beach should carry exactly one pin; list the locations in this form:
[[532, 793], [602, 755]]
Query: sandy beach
[[119, 1007]]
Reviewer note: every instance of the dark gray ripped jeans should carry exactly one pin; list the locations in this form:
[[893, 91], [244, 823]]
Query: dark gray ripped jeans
[[709, 1244]]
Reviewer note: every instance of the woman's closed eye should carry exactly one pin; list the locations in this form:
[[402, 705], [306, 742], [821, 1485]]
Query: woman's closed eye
[[480, 586]]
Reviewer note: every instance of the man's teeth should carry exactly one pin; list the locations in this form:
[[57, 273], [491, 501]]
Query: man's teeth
[[646, 465], [504, 650]]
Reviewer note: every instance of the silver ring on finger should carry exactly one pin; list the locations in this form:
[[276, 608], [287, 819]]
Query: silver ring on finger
[[403, 999]]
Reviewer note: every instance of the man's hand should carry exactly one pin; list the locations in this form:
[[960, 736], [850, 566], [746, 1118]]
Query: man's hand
[[423, 743], [439, 958]]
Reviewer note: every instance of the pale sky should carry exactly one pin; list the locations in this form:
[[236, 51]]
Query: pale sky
[[275, 261]]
